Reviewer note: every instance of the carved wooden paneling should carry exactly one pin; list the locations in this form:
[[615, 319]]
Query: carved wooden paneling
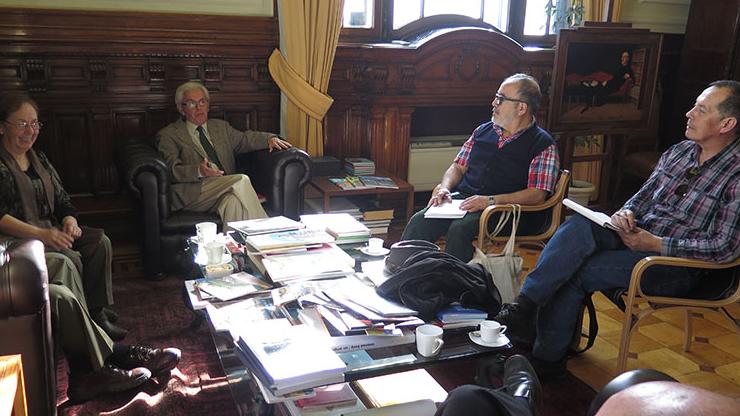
[[103, 77], [461, 68]]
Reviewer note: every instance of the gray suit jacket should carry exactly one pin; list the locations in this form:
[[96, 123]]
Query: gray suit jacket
[[183, 156]]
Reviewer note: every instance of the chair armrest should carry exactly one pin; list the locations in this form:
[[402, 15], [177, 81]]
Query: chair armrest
[[280, 176], [23, 278], [136, 156], [638, 272]]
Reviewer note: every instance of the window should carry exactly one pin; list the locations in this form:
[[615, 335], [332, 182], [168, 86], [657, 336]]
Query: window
[[528, 22], [494, 12], [358, 14]]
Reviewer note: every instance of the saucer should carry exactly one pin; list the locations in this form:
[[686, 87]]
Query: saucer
[[500, 342], [202, 260], [382, 252]]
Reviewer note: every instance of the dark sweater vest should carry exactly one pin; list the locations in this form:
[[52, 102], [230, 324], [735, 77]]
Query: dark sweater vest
[[493, 171]]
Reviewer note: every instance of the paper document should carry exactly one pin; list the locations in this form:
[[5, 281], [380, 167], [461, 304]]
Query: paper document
[[597, 217], [448, 210]]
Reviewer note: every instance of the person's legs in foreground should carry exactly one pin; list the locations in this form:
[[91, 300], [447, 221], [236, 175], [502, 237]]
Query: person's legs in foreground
[[88, 264], [459, 233], [520, 394], [97, 365], [580, 259]]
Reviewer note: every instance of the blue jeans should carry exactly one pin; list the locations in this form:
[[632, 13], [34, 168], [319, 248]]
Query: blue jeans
[[582, 258]]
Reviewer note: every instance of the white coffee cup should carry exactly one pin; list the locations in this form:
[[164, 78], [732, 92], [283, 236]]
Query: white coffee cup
[[214, 252], [491, 330], [375, 245], [429, 340], [206, 232]]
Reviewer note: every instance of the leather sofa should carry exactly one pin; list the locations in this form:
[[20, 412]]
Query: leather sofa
[[279, 175], [25, 320]]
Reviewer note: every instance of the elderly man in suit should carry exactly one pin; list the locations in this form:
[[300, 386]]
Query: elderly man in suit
[[200, 155]]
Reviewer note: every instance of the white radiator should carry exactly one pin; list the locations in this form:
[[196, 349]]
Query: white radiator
[[427, 164]]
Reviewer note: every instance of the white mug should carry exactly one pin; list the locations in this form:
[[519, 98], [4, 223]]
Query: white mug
[[375, 245], [429, 340], [214, 252], [491, 330], [206, 232]]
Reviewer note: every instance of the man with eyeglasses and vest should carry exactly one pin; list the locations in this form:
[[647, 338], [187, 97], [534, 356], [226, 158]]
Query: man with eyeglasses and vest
[[689, 207], [508, 160], [200, 156]]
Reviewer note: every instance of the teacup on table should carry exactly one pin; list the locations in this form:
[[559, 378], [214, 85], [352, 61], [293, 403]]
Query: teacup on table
[[490, 331], [375, 245]]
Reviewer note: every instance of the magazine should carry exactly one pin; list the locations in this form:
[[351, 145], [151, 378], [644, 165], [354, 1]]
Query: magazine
[[232, 286], [446, 210], [378, 182], [284, 239], [265, 225], [598, 217]]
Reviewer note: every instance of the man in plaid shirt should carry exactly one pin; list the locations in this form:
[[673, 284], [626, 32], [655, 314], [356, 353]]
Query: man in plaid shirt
[[508, 160], [689, 207]]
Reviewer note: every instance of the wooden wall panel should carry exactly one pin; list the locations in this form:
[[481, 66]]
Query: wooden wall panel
[[103, 77]]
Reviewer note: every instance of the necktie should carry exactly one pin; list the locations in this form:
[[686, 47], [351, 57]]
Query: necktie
[[210, 151]]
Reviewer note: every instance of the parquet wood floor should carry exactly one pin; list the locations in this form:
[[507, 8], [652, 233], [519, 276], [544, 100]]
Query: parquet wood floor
[[713, 362]]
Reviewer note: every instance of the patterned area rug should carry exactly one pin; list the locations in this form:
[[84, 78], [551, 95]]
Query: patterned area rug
[[155, 314]]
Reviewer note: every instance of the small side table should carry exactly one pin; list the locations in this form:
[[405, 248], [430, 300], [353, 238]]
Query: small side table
[[329, 190], [12, 387]]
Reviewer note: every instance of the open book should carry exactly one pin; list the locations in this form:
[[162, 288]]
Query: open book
[[597, 217]]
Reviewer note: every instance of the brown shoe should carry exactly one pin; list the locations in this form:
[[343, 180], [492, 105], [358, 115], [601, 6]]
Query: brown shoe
[[109, 379], [157, 360]]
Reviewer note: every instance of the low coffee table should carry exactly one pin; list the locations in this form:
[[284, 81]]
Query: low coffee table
[[244, 389]]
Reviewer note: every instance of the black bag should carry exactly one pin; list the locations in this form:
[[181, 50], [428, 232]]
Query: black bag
[[430, 280]]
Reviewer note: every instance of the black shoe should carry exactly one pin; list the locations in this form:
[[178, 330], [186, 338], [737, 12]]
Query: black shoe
[[109, 379], [116, 333], [110, 314], [157, 360], [550, 370], [519, 321], [520, 380]]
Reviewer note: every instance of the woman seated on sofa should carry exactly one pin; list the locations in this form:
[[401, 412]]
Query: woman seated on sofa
[[33, 204]]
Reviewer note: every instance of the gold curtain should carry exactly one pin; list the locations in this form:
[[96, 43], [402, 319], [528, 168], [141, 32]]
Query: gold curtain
[[310, 31], [595, 10]]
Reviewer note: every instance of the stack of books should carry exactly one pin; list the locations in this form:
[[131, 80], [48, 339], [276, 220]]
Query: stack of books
[[288, 358], [338, 205], [359, 166], [374, 217], [285, 240], [343, 227], [324, 261], [456, 316], [349, 183], [265, 225]]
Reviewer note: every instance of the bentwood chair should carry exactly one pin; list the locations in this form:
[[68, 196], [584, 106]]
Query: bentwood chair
[[718, 290], [554, 203]]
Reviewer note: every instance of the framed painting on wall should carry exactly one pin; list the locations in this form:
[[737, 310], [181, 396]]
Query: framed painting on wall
[[604, 80]]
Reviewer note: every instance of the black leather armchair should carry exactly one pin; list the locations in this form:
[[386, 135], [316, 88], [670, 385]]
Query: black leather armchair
[[279, 175], [25, 320]]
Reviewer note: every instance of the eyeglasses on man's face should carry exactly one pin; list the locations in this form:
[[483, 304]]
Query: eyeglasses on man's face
[[191, 104], [683, 189], [23, 124], [500, 98]]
